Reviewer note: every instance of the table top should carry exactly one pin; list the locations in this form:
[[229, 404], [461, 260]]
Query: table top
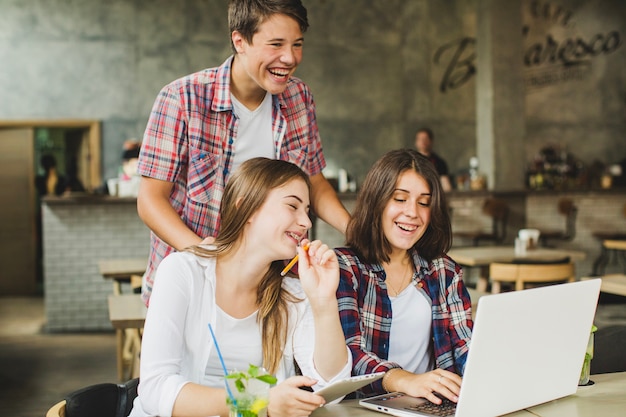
[[127, 311], [122, 268], [615, 244], [612, 283], [605, 398], [485, 255]]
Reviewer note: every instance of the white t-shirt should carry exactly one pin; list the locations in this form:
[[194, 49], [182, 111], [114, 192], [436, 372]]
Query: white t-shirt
[[410, 336], [254, 131], [240, 344]]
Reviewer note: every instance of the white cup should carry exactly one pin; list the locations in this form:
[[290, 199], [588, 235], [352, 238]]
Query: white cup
[[530, 236], [112, 186]]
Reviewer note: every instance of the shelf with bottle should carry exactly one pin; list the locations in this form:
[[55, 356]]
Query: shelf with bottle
[[554, 168]]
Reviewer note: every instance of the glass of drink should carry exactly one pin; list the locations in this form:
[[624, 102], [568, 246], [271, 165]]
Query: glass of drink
[[250, 392], [584, 373]]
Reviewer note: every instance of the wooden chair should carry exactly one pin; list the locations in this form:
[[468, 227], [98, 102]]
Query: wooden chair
[[498, 211], [568, 209], [99, 400], [521, 274]]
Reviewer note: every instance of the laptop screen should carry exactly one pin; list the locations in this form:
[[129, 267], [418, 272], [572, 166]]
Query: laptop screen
[[527, 348]]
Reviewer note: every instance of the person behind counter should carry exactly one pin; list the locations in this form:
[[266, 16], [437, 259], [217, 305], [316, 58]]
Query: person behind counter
[[424, 139], [52, 182], [126, 183], [259, 317], [402, 302]]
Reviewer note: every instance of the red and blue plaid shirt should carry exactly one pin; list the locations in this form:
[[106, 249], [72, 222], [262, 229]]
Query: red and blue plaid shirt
[[365, 313], [190, 141]]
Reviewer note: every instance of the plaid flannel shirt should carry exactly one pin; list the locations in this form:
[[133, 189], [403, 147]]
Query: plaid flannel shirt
[[190, 141], [365, 313]]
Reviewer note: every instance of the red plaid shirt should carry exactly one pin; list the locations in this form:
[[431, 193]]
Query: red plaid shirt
[[365, 313], [190, 141]]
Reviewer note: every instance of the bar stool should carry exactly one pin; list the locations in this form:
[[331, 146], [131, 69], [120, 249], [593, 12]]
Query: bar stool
[[523, 272], [607, 250], [568, 209], [498, 210]]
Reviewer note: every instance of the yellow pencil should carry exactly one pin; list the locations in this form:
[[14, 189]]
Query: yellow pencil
[[292, 262]]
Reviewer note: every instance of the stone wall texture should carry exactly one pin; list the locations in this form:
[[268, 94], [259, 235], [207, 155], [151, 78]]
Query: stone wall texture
[[378, 70]]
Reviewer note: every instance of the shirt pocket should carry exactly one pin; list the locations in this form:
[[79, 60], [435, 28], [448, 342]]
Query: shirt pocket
[[201, 175]]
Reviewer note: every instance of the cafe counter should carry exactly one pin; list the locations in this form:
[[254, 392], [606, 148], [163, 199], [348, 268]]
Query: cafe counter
[[79, 231]]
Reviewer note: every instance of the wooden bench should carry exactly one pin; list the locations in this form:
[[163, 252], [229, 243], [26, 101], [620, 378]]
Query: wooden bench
[[127, 313]]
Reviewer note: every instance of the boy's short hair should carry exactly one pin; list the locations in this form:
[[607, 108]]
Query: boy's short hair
[[245, 16]]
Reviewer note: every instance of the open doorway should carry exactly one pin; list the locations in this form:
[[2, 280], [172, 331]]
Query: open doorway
[[74, 145]]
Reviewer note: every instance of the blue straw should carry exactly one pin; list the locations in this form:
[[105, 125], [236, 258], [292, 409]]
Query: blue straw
[[219, 354]]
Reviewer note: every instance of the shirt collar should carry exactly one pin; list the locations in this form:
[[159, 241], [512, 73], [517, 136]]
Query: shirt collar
[[221, 101]]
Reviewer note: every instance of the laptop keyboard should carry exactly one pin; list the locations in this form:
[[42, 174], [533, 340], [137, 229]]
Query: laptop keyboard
[[446, 408]]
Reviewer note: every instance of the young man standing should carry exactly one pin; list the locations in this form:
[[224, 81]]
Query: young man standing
[[204, 125]]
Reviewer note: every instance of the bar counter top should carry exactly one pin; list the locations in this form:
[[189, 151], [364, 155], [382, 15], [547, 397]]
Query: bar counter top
[[90, 198], [86, 198]]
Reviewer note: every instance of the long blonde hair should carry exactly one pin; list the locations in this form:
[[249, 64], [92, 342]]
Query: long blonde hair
[[244, 194]]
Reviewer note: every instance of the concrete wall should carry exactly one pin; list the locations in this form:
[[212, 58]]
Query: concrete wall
[[378, 70]]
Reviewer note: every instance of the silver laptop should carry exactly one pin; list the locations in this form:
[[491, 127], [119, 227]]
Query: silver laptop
[[527, 348]]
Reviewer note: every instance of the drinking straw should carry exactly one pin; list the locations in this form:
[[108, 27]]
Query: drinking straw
[[219, 354]]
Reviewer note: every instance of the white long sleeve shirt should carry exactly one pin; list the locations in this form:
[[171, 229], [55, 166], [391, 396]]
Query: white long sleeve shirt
[[177, 342]]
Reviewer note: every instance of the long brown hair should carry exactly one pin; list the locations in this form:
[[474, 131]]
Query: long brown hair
[[244, 194], [365, 232]]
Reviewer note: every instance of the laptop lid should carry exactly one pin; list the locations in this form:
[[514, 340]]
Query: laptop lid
[[527, 348]]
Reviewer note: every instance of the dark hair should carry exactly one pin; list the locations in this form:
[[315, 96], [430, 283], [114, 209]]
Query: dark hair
[[245, 16], [244, 195], [130, 154], [365, 232], [428, 131], [47, 162]]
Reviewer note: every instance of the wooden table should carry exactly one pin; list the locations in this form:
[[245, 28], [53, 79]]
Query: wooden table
[[605, 398], [615, 244], [127, 313], [612, 283], [122, 270], [482, 256]]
